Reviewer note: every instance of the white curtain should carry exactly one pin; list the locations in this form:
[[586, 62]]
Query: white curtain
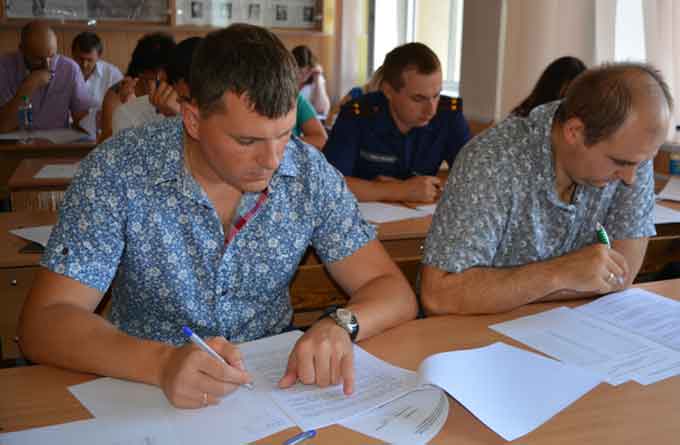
[[662, 42]]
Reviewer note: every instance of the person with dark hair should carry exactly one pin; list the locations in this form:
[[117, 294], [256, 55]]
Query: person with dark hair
[[517, 220], [311, 80], [52, 83], [552, 85], [391, 143], [99, 75], [167, 96], [126, 104], [201, 221]]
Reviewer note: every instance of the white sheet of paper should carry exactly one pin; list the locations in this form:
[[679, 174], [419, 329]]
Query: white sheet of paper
[[665, 215], [379, 212], [510, 390], [101, 431], [56, 136], [57, 171], [412, 419], [671, 190], [579, 339], [429, 209], [375, 383], [37, 234]]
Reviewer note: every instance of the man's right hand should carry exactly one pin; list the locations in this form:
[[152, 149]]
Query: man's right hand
[[595, 268], [192, 378], [422, 189], [37, 79]]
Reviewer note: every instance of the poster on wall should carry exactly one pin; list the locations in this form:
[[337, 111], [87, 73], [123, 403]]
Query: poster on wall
[[290, 13], [151, 10], [224, 13], [193, 12], [66, 9]]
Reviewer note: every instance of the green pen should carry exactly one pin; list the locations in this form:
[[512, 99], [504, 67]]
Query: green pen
[[602, 236]]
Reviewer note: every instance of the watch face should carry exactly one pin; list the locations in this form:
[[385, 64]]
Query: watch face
[[344, 316]]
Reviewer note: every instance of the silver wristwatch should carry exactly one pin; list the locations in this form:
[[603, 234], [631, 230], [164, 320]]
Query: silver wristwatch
[[346, 320]]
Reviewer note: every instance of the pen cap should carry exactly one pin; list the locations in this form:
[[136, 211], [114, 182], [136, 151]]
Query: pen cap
[[188, 332]]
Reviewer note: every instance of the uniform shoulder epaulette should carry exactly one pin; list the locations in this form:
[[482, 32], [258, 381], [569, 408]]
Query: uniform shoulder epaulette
[[361, 107], [450, 104]]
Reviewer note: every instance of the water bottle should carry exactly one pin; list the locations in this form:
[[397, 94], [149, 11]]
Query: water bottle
[[674, 167], [25, 120]]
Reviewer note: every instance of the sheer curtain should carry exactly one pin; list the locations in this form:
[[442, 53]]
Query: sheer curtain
[[662, 41]]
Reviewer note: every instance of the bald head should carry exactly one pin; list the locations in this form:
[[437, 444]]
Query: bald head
[[606, 97], [38, 44]]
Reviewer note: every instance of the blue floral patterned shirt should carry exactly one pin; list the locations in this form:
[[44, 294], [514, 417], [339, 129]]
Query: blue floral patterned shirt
[[500, 207], [135, 219]]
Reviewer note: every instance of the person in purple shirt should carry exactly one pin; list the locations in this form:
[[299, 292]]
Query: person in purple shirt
[[53, 83]]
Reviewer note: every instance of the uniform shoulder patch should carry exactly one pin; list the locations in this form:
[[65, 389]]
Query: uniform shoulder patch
[[447, 103], [360, 107]]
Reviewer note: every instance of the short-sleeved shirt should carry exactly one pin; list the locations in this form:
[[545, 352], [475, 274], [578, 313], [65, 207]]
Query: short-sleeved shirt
[[52, 104], [135, 218], [102, 78], [500, 207], [365, 142], [305, 112], [136, 112]]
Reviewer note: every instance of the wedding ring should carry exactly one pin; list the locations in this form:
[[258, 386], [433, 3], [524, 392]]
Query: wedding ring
[[205, 399], [612, 278]]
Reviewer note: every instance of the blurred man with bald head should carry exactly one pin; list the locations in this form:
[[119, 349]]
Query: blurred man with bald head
[[53, 83], [517, 221]]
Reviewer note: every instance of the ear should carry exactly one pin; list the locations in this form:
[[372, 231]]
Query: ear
[[191, 118], [387, 90], [573, 131]]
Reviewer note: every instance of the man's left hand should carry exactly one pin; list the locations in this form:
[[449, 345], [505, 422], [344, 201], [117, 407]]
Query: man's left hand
[[323, 356]]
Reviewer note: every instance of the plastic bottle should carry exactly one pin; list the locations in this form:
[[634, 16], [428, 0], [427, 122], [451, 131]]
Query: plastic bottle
[[25, 118], [674, 165]]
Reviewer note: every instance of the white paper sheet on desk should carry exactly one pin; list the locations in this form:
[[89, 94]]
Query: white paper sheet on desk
[[671, 190], [665, 215], [100, 431], [579, 338], [37, 234], [375, 383], [510, 390], [429, 209], [379, 212], [56, 136], [57, 171], [412, 419]]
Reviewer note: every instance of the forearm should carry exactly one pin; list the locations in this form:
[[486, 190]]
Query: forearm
[[319, 98], [483, 290], [366, 190], [382, 303], [67, 336], [318, 140]]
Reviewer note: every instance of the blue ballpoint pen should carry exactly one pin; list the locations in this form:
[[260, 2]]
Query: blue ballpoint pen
[[300, 437], [198, 341]]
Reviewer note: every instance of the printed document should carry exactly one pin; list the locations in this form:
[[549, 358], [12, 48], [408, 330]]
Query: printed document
[[630, 335], [51, 171], [665, 215], [379, 212], [671, 190], [37, 234], [56, 136]]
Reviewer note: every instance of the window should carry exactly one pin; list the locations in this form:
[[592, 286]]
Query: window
[[436, 23], [629, 40]]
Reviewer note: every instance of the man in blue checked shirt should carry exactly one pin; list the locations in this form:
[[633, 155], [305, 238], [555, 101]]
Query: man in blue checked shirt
[[202, 221]]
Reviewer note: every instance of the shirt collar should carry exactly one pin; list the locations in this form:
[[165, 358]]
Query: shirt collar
[[97, 69]]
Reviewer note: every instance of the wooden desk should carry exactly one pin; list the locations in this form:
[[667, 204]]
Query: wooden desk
[[29, 193], [12, 153], [16, 272], [625, 414]]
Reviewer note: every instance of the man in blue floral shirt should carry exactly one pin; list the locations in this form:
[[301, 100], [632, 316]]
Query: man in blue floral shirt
[[517, 220], [202, 221]]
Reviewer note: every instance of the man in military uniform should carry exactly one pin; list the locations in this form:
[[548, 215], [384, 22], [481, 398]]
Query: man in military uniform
[[390, 144]]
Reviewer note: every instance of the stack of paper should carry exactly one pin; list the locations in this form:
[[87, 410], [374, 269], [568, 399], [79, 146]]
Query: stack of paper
[[665, 215], [37, 234], [57, 171], [56, 136], [630, 335]]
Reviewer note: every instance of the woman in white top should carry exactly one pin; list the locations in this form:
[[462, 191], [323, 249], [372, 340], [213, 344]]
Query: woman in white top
[[311, 81]]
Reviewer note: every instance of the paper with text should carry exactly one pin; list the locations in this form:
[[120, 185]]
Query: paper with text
[[51, 171], [379, 212], [56, 136], [607, 343], [510, 390], [671, 190], [37, 234], [429, 209], [665, 215], [412, 419]]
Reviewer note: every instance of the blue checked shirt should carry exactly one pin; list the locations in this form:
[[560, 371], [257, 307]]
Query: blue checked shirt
[[136, 220]]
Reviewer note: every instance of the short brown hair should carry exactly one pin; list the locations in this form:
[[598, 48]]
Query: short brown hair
[[603, 97], [409, 56], [244, 60]]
